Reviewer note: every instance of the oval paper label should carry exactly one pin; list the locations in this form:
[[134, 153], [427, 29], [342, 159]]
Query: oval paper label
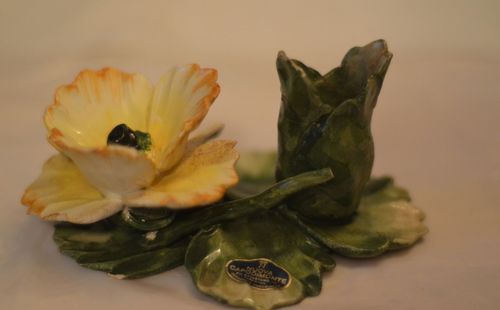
[[260, 273]]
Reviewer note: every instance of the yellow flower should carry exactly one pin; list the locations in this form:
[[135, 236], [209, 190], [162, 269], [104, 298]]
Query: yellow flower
[[90, 180]]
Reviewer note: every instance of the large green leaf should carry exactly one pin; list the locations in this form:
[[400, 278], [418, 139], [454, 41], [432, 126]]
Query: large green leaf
[[386, 220], [287, 253], [325, 121]]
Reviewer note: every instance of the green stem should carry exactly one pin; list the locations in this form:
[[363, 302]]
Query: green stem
[[268, 199]]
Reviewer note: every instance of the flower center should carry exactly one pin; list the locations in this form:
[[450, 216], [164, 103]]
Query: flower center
[[124, 135]]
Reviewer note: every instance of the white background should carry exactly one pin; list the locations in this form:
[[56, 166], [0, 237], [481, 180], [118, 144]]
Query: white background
[[436, 128]]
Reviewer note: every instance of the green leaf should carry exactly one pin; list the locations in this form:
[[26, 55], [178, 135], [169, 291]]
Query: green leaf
[[265, 238], [386, 220], [144, 264], [325, 121], [113, 248]]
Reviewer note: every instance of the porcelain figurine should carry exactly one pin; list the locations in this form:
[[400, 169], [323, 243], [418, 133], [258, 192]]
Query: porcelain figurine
[[133, 193]]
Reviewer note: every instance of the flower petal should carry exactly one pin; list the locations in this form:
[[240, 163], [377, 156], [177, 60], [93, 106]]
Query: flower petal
[[114, 170], [61, 193], [180, 102], [200, 179], [84, 112]]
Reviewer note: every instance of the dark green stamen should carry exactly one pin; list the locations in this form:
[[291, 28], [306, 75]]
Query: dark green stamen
[[143, 140]]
